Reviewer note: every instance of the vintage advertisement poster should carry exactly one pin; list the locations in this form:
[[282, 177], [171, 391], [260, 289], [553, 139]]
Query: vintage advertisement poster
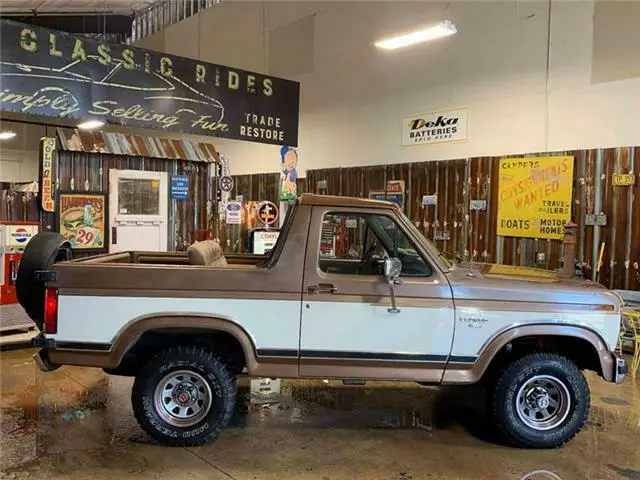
[[394, 193], [82, 220], [47, 155], [289, 173], [52, 73], [534, 196], [435, 127]]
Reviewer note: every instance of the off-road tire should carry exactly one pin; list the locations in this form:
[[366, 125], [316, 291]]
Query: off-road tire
[[205, 363], [41, 252], [503, 398]]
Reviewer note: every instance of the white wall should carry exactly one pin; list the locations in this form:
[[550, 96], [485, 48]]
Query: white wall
[[19, 155], [353, 96]]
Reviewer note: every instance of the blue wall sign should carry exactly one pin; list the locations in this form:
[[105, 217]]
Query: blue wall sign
[[179, 187]]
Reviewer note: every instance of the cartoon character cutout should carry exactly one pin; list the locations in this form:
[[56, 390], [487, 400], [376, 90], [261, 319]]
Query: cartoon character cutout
[[288, 167]]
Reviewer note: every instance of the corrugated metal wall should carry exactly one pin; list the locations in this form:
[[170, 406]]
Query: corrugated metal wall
[[90, 172], [456, 182], [472, 234]]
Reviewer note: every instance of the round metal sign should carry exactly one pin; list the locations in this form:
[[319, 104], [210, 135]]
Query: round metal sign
[[226, 183], [267, 212]]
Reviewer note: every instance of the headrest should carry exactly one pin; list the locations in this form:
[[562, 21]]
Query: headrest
[[204, 253]]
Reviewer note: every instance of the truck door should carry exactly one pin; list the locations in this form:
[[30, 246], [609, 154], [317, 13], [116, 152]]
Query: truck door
[[348, 329]]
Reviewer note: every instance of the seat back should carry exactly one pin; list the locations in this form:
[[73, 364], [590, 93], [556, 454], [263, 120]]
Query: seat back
[[207, 253]]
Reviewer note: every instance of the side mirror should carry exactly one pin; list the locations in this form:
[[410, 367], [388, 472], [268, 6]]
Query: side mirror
[[392, 270]]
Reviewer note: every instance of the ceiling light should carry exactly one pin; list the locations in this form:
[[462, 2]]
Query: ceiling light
[[90, 125], [6, 135], [444, 29]]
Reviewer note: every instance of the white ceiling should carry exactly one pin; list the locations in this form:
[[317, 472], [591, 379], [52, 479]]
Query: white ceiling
[[70, 6]]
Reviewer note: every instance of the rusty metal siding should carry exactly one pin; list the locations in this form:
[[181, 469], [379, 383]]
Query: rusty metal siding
[[82, 171], [455, 181], [473, 233]]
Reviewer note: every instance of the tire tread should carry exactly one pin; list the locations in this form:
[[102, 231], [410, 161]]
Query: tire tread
[[227, 384], [509, 371]]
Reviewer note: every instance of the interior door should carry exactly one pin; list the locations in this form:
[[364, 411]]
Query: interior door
[[138, 210], [349, 329]]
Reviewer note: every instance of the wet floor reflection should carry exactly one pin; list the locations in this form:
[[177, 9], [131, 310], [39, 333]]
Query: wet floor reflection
[[77, 423]]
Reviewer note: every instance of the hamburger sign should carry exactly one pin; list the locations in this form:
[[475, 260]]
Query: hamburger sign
[[82, 220]]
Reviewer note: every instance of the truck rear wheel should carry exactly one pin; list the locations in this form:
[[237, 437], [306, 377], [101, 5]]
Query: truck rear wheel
[[41, 252], [184, 396], [540, 401]]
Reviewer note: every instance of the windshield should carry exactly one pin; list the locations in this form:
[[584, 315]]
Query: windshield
[[386, 227], [430, 246]]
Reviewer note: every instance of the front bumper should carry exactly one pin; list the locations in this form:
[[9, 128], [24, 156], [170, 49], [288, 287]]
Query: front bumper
[[620, 368]]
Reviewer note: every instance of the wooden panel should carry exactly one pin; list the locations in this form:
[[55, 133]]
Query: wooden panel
[[456, 182]]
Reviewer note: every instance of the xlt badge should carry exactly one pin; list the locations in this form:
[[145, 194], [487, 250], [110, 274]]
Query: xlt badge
[[473, 322]]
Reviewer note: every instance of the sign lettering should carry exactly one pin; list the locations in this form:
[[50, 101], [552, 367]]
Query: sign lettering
[[51, 73], [535, 196], [623, 179], [435, 127], [47, 152]]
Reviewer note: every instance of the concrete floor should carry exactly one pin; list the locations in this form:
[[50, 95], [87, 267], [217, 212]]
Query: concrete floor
[[76, 423]]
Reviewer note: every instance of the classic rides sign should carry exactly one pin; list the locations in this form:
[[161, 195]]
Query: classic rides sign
[[534, 196], [435, 127], [46, 72]]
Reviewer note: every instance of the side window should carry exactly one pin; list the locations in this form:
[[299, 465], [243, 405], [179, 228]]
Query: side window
[[357, 244]]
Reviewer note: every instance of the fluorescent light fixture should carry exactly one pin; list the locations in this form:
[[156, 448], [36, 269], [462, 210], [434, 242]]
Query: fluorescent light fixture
[[90, 125], [6, 135], [444, 29]]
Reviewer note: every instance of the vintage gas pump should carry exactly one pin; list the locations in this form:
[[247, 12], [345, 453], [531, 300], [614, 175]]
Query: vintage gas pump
[[14, 237]]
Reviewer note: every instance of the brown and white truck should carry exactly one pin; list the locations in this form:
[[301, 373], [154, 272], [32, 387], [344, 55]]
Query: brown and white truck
[[381, 303]]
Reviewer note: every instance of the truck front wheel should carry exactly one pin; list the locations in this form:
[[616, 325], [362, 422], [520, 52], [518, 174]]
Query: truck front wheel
[[184, 396], [540, 401]]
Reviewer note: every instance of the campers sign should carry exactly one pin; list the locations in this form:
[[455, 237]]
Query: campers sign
[[534, 196], [46, 72]]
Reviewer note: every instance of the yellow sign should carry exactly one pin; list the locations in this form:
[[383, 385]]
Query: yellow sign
[[521, 272], [623, 179], [535, 196]]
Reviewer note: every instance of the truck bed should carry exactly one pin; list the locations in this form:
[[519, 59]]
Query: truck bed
[[164, 258]]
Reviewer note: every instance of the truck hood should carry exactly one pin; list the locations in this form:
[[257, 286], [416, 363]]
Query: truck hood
[[484, 281]]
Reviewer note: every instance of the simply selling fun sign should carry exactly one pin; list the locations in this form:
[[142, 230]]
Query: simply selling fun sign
[[51, 73]]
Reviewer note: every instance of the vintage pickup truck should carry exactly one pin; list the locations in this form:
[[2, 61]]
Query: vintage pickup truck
[[351, 290]]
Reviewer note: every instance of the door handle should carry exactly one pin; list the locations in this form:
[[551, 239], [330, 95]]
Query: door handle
[[322, 288]]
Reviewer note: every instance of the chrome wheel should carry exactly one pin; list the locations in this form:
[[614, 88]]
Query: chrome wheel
[[543, 402], [182, 398]]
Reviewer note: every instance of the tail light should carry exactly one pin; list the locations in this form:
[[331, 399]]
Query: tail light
[[51, 310]]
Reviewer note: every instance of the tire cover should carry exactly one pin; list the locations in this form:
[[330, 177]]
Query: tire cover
[[40, 253]]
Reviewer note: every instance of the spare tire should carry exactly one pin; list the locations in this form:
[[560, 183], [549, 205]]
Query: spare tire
[[41, 252]]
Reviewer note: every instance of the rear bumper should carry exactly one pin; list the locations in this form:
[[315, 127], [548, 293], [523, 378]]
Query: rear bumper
[[41, 357]]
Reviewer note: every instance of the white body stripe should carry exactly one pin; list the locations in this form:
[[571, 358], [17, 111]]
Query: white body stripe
[[270, 323], [343, 326], [471, 336], [362, 327]]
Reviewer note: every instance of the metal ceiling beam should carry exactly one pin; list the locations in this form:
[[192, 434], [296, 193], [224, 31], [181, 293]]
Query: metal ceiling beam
[[78, 23]]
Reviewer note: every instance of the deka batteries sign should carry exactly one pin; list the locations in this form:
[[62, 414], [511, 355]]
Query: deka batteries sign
[[435, 127]]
